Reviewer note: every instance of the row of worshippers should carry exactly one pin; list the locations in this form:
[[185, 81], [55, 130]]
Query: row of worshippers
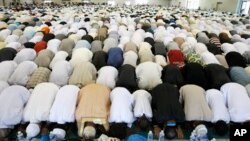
[[99, 110], [115, 44]]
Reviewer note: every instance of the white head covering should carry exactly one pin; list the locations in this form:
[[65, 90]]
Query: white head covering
[[32, 130]]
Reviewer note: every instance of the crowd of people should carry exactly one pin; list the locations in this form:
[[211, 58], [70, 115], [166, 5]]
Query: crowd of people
[[108, 72]]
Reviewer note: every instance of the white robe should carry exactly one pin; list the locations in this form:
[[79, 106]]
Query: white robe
[[237, 101], [209, 58], [12, 101], [59, 56], [80, 55], [9, 68], [53, 45], [121, 106], [130, 58], [25, 54], [40, 102], [63, 109], [217, 104], [3, 85], [148, 75], [61, 72], [22, 73], [107, 76], [142, 104]]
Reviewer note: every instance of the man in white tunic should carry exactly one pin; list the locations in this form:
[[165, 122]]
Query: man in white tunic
[[237, 101], [66, 97], [12, 102], [38, 106], [107, 76], [9, 68], [148, 75]]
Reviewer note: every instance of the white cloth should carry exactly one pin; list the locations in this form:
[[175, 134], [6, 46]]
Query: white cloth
[[53, 45], [15, 45], [241, 47], [200, 48], [9, 68], [25, 54], [80, 55], [63, 109], [11, 38], [12, 101], [148, 75], [61, 72], [22, 73], [130, 58], [107, 76], [3, 85], [36, 39], [209, 58], [237, 101], [59, 56], [217, 104], [142, 104], [40, 102], [121, 106], [161, 60], [226, 48]]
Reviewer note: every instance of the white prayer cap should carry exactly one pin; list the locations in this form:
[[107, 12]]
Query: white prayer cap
[[59, 133], [89, 132], [32, 130]]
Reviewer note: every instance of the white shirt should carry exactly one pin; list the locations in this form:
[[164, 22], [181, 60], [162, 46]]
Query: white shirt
[[61, 72], [11, 38], [107, 76], [40, 102], [142, 104], [22, 73], [25, 54], [36, 39], [80, 55], [130, 58], [121, 106], [148, 75], [66, 97], [237, 101], [14, 45], [53, 45], [217, 104], [12, 101], [9, 68], [209, 58], [59, 56]]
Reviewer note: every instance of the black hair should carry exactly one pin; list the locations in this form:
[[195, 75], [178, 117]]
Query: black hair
[[143, 123], [118, 130], [170, 132], [221, 127]]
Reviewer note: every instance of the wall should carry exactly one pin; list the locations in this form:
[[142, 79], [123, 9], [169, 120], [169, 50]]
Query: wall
[[228, 5]]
